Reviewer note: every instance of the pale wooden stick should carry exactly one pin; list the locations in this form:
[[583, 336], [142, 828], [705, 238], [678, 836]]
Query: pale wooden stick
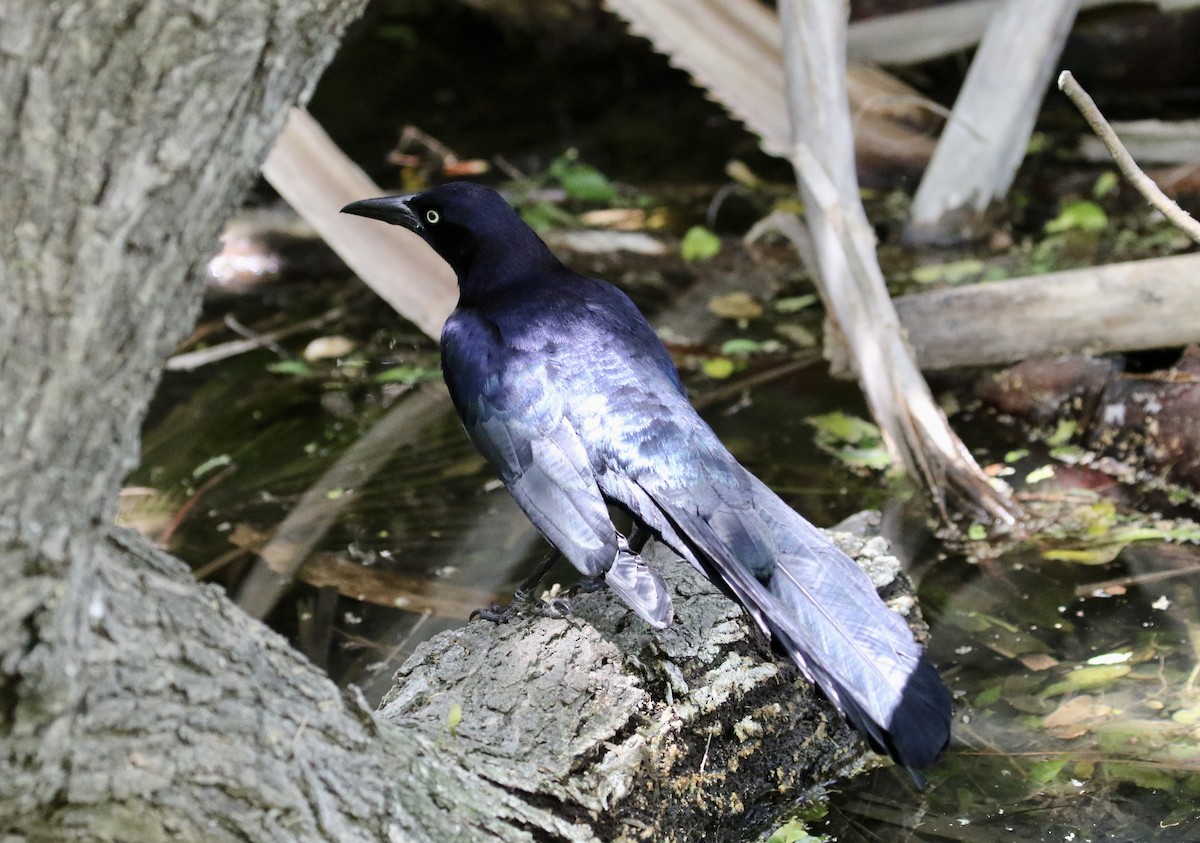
[[317, 180], [1124, 161], [979, 151], [849, 277]]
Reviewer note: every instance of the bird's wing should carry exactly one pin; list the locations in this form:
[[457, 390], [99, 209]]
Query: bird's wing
[[662, 462], [514, 414]]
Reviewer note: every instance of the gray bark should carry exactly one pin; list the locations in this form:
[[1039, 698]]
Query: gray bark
[[136, 705]]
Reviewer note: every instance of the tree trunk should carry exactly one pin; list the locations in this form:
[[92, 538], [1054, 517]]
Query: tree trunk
[[136, 705]]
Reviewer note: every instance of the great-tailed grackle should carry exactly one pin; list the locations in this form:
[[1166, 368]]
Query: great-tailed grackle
[[573, 399]]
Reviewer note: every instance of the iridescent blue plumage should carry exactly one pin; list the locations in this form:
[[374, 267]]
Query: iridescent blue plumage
[[570, 395]]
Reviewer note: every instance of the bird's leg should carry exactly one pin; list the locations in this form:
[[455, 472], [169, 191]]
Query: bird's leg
[[638, 536], [524, 600]]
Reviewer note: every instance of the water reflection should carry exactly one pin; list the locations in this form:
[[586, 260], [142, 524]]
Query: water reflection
[[1077, 705], [1077, 716]]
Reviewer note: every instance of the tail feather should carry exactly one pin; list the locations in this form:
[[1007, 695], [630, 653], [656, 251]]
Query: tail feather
[[825, 613]]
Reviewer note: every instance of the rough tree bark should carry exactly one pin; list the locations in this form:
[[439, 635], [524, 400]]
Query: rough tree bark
[[136, 705]]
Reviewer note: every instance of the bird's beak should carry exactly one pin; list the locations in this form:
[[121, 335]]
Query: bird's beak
[[391, 209]]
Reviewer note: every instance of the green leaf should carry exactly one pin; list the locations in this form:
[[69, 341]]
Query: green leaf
[[794, 304], [1143, 775], [1039, 474], [453, 718], [1080, 215], [877, 457], [718, 367], [544, 216], [699, 244], [1084, 678], [840, 427], [208, 465], [1062, 432], [988, 696], [795, 831], [1044, 772], [977, 532], [581, 181], [289, 367], [407, 375], [743, 346], [1105, 184], [954, 272]]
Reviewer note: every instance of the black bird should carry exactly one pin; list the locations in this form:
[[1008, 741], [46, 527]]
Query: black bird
[[571, 396]]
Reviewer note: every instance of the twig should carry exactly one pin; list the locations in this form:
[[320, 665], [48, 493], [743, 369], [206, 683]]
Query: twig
[[165, 537], [1088, 589], [195, 359], [1124, 161]]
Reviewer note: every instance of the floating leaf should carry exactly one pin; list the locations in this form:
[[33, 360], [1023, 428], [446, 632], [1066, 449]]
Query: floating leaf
[[1038, 661], [1143, 775], [988, 696], [718, 367], [1063, 432], [794, 304], [1187, 716], [743, 346], [581, 181], [328, 348], [798, 335], [408, 375], [1080, 215], [737, 305], [953, 272], [1074, 711], [1099, 555], [841, 427], [977, 532], [1039, 474], [877, 458], [1105, 184], [701, 244], [544, 216], [1044, 772], [288, 367], [1088, 677], [795, 831], [1111, 658], [209, 464]]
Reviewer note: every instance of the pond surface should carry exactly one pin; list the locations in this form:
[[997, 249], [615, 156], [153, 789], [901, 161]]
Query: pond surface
[[1077, 712]]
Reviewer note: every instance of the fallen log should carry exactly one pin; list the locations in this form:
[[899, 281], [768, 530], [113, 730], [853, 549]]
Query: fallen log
[[692, 733], [1152, 303]]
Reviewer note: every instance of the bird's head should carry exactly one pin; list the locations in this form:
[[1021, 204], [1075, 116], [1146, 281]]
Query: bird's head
[[469, 225]]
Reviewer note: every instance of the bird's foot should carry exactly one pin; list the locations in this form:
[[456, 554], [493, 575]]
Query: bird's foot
[[524, 603], [587, 585]]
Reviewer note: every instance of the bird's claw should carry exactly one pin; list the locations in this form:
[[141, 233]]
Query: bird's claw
[[555, 607], [587, 585]]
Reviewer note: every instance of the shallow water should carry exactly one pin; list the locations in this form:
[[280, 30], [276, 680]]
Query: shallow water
[[1077, 716]]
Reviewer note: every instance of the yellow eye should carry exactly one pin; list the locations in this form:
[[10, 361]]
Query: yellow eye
[[432, 217]]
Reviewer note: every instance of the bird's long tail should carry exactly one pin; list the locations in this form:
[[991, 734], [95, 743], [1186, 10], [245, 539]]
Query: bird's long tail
[[823, 610]]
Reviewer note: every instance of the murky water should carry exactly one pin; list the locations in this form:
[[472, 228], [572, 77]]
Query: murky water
[[1078, 715]]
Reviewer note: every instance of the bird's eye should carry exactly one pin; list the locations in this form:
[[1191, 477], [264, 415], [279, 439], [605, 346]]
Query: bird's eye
[[432, 217]]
